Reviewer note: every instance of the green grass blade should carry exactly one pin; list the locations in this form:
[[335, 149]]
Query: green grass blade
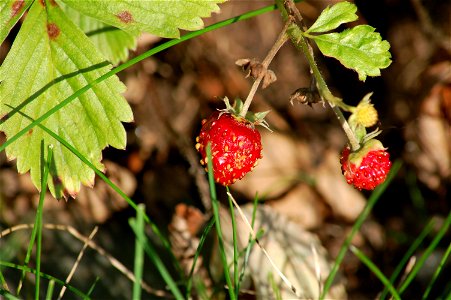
[[202, 240], [364, 259], [46, 276], [235, 247], [437, 272], [91, 289], [139, 252], [130, 202], [7, 294], [413, 247], [215, 205], [153, 255], [3, 281], [49, 294], [251, 242], [45, 167], [358, 223], [426, 254]]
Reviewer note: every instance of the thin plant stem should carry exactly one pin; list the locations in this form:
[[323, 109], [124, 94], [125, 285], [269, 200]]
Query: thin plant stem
[[155, 258], [215, 206], [139, 253], [437, 272], [202, 240], [438, 237], [50, 287], [281, 39], [77, 262], [45, 167], [235, 245], [77, 235], [364, 259], [413, 247], [298, 39], [375, 196], [254, 236], [27, 269]]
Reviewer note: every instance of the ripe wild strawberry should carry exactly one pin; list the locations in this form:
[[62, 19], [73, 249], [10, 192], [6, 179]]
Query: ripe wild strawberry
[[366, 168], [235, 146]]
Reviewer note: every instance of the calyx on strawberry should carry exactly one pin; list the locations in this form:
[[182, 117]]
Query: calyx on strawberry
[[367, 167], [235, 143]]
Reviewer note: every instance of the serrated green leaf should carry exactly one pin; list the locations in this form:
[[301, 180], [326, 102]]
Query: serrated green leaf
[[334, 16], [162, 18], [10, 13], [111, 41], [358, 48], [49, 60]]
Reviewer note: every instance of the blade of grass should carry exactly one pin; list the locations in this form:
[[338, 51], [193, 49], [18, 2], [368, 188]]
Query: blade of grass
[[45, 167], [49, 294], [235, 245], [7, 294], [139, 252], [153, 255], [196, 256], [437, 272], [438, 237], [215, 206], [358, 223], [413, 247], [91, 289], [44, 275], [364, 259], [3, 281], [251, 241], [130, 202]]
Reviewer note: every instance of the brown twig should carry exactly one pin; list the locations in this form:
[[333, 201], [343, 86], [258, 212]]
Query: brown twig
[[281, 39], [77, 262], [113, 261]]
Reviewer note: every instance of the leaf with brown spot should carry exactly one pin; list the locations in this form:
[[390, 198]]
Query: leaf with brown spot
[[111, 41], [10, 13], [50, 59], [162, 18]]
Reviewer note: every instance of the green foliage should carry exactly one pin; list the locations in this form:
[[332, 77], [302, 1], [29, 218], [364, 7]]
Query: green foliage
[[111, 41], [359, 48], [10, 13], [52, 58], [332, 17], [162, 18]]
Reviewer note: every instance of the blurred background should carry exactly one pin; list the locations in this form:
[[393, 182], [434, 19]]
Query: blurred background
[[299, 176]]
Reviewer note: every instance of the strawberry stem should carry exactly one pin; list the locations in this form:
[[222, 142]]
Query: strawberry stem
[[297, 37], [281, 39]]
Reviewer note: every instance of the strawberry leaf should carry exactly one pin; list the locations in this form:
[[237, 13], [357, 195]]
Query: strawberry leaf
[[49, 60], [162, 18], [10, 13], [111, 41], [334, 16], [358, 48]]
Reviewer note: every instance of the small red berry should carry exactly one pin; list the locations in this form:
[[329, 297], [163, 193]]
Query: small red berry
[[235, 146], [366, 168]]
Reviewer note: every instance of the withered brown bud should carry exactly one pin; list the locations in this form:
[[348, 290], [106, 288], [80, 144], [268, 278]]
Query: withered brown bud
[[305, 96], [252, 67], [269, 78]]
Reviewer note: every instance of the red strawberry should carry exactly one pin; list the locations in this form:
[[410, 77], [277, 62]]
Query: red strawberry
[[366, 168], [235, 146]]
